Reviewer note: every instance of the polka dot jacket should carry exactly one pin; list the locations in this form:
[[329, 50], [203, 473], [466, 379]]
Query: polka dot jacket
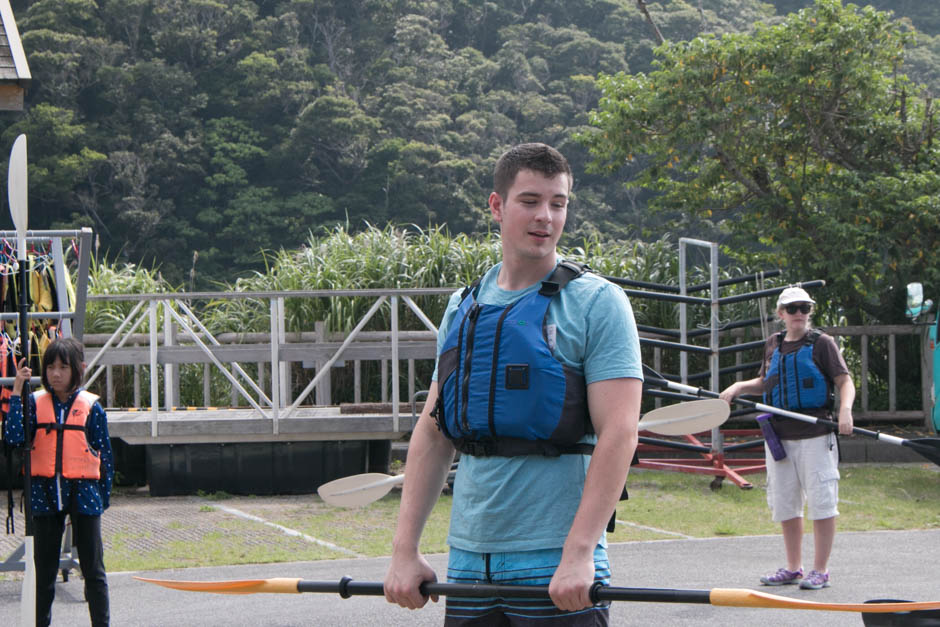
[[56, 494]]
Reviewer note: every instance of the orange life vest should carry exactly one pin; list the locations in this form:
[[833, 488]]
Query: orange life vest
[[5, 392], [64, 448]]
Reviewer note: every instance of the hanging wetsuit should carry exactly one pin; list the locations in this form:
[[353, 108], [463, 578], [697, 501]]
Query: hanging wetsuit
[[501, 391]]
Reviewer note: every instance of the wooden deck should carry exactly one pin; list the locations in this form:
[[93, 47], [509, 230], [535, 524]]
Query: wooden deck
[[193, 426]]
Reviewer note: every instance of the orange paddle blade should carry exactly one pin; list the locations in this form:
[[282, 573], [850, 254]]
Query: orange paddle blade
[[284, 585], [740, 597]]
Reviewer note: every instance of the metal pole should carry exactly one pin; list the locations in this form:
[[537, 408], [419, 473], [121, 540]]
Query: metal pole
[[62, 296], [81, 284], [275, 370], [683, 314], [168, 368], [282, 339], [395, 386], [718, 443], [154, 370], [27, 434]]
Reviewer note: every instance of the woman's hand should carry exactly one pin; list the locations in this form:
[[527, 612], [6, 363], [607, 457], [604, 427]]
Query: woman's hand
[[846, 422], [23, 374], [729, 393]]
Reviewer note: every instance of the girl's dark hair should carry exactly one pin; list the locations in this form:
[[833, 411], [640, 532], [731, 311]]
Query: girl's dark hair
[[71, 353]]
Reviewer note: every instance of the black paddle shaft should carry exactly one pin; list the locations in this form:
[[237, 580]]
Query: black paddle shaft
[[24, 397], [346, 588]]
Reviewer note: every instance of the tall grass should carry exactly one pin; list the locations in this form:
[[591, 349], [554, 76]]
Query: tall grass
[[338, 259], [395, 256], [111, 277]]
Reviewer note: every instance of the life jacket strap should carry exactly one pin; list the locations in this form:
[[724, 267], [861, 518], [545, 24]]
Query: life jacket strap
[[54, 426], [564, 272], [511, 447]]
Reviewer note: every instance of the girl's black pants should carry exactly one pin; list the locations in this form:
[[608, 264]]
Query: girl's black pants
[[47, 542]]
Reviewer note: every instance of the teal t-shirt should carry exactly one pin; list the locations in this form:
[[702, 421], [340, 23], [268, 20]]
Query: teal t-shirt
[[528, 502]]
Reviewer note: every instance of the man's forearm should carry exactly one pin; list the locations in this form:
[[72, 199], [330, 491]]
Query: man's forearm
[[606, 476], [429, 458]]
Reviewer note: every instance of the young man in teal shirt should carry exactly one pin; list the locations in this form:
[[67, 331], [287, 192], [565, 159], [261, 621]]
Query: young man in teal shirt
[[524, 517]]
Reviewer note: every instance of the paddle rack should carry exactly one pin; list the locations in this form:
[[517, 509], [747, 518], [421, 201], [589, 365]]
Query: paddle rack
[[71, 322]]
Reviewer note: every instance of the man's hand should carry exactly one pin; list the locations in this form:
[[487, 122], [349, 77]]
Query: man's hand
[[570, 587], [405, 575]]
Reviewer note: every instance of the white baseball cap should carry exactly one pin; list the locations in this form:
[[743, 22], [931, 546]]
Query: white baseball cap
[[793, 295]]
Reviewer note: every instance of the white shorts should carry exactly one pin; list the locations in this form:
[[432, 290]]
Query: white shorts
[[807, 476]]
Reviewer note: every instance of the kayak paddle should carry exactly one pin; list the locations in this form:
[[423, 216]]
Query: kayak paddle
[[16, 194], [685, 418], [727, 597], [359, 490], [927, 447]]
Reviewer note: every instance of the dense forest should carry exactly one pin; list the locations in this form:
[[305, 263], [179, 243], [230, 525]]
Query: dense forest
[[193, 134]]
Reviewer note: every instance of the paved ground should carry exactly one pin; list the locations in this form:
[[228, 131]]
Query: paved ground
[[865, 566]]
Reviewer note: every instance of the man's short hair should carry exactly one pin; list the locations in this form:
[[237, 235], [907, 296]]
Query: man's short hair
[[534, 156]]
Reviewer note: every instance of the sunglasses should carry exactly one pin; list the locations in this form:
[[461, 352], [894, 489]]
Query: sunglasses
[[802, 308]]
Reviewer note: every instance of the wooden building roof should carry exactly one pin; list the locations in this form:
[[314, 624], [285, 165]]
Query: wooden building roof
[[14, 71]]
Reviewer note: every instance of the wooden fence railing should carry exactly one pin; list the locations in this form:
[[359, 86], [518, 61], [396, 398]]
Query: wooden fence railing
[[874, 357]]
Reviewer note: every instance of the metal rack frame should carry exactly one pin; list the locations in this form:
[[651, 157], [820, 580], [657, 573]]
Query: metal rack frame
[[73, 325]]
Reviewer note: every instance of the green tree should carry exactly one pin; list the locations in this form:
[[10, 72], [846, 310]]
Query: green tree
[[801, 140]]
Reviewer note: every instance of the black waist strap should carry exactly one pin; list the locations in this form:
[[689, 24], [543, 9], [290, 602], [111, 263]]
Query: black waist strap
[[54, 426], [511, 447]]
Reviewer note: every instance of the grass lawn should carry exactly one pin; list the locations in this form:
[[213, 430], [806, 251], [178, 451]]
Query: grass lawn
[[872, 497], [661, 505], [149, 533]]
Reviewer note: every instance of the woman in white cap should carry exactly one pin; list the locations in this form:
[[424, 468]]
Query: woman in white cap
[[800, 370]]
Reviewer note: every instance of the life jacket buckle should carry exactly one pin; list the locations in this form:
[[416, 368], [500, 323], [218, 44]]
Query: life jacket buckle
[[549, 288], [477, 448]]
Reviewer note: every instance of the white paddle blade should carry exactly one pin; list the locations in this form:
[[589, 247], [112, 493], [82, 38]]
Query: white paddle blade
[[358, 490], [686, 418], [16, 193], [28, 591]]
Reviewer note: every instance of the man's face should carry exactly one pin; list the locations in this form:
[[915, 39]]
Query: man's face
[[532, 215]]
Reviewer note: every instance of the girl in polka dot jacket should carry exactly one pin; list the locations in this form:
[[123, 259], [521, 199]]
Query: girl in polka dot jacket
[[72, 468]]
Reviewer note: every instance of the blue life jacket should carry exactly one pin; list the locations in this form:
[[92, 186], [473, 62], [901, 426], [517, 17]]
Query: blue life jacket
[[501, 391], [795, 381]]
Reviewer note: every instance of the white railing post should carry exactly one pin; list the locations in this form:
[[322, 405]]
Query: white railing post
[[136, 383], [168, 368], [323, 391], [206, 386], [395, 381], [282, 339], [154, 371], [275, 370]]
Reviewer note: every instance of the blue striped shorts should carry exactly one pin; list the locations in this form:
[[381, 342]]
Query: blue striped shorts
[[529, 568]]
